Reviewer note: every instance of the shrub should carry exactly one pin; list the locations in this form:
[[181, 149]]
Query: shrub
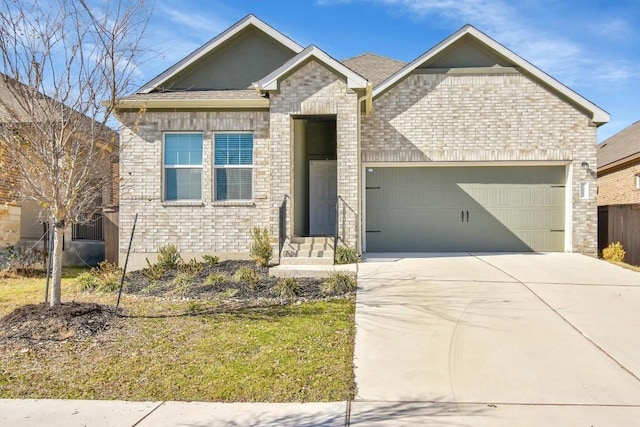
[[215, 279], [87, 282], [103, 278], [614, 252], [247, 275], [191, 267], [210, 260], [183, 282], [346, 255], [169, 257], [152, 271], [108, 276], [339, 283], [287, 287], [22, 259], [261, 250]]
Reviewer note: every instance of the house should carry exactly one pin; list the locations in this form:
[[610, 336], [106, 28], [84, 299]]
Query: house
[[21, 222], [467, 148], [619, 192]]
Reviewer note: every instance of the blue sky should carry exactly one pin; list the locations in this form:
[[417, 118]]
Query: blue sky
[[592, 46]]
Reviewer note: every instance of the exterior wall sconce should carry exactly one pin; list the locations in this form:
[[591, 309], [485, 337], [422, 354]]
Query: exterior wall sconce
[[585, 165]]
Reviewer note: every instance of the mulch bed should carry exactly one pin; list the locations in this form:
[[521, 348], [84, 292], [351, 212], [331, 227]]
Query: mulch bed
[[169, 286], [40, 322]]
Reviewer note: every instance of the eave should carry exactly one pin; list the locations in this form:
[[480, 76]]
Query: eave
[[262, 103]]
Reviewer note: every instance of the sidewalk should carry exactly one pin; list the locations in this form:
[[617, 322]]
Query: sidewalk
[[100, 413]]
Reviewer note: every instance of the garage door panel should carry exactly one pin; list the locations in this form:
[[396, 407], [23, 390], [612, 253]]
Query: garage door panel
[[465, 209]]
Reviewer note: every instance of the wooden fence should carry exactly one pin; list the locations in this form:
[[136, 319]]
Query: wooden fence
[[110, 230], [620, 223]]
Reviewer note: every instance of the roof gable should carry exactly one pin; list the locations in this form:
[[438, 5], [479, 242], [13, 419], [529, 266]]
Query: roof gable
[[622, 147], [469, 46], [354, 80], [233, 60]]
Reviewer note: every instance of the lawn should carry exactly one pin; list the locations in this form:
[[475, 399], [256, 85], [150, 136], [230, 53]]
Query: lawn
[[184, 349]]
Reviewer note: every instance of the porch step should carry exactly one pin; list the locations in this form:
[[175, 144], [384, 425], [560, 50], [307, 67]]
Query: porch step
[[307, 250], [301, 260]]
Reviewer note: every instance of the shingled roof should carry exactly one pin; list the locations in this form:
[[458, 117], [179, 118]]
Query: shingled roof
[[374, 68], [620, 148]]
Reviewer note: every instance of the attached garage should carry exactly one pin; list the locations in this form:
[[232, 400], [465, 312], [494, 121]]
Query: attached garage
[[460, 209]]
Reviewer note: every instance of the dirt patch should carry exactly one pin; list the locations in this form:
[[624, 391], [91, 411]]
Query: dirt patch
[[40, 322]]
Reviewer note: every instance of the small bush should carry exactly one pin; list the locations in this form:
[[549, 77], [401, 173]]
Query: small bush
[[103, 278], [169, 257], [22, 260], [247, 275], [210, 260], [346, 255], [215, 279], [87, 282], [191, 267], [261, 250], [287, 288], [108, 276], [153, 271], [339, 283], [183, 282], [614, 252]]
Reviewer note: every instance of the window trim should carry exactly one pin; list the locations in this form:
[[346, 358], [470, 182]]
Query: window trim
[[215, 167], [637, 181], [165, 167]]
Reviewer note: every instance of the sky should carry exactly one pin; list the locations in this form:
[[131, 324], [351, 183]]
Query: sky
[[591, 46]]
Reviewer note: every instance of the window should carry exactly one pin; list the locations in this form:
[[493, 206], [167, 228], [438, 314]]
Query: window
[[584, 190], [637, 181], [182, 166], [233, 166]]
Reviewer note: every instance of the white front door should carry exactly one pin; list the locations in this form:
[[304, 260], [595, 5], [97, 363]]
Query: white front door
[[323, 194]]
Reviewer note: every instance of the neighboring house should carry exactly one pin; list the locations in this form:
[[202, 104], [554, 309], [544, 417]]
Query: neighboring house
[[467, 148], [21, 222], [619, 192]]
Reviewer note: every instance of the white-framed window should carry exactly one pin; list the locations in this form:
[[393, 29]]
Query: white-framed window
[[637, 181], [584, 190], [182, 166], [233, 166]]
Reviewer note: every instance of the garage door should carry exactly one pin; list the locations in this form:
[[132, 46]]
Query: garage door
[[457, 209]]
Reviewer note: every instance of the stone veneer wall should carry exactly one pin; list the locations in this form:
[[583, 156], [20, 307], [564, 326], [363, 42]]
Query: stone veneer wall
[[9, 224], [485, 118], [618, 187], [313, 89], [196, 227]]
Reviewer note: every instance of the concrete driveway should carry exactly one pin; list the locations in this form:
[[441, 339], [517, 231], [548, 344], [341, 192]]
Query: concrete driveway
[[497, 340]]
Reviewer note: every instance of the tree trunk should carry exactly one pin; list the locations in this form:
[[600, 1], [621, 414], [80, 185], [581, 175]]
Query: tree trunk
[[56, 260]]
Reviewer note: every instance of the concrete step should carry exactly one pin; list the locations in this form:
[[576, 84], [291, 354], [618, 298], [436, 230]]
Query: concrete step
[[322, 240], [308, 247], [302, 260], [293, 253]]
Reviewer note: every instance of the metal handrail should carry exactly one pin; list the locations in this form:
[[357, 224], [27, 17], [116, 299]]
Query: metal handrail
[[282, 225], [336, 236]]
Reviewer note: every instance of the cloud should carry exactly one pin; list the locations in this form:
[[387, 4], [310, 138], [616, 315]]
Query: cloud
[[201, 25]]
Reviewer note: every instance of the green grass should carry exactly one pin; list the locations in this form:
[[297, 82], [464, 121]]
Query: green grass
[[278, 354]]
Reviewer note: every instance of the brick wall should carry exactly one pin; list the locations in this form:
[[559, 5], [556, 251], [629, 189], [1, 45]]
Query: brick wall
[[485, 118], [313, 89], [199, 227], [618, 187]]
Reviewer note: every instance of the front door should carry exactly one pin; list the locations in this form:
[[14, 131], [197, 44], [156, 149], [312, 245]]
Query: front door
[[323, 194]]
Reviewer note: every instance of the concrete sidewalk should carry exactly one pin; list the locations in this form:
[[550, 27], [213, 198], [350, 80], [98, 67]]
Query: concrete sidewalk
[[100, 413]]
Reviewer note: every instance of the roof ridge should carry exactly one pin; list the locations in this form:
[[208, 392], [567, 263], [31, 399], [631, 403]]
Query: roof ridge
[[373, 54]]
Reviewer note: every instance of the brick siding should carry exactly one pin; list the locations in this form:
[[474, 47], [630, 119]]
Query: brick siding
[[618, 187], [485, 118]]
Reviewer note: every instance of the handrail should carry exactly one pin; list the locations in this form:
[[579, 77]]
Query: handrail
[[282, 225], [336, 236]]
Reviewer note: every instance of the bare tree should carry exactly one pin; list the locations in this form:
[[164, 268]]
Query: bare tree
[[64, 63]]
